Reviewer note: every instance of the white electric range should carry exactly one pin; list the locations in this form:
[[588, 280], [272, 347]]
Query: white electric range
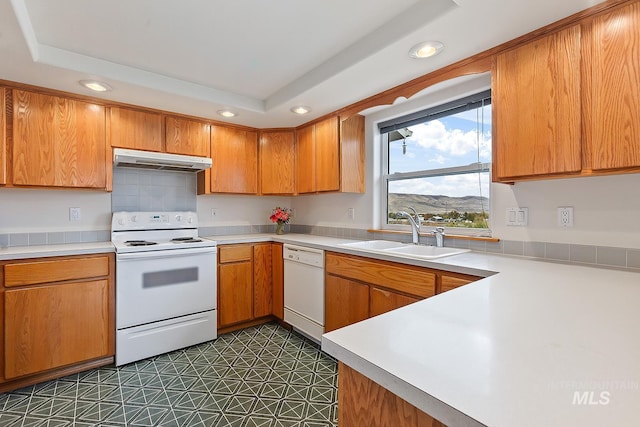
[[165, 283]]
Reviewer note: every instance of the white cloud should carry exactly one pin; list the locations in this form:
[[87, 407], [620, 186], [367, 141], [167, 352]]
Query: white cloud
[[434, 135]]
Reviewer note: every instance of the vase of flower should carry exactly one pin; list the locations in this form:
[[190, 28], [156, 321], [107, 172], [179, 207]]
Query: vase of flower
[[280, 216]]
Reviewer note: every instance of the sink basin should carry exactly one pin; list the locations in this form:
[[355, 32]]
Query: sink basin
[[427, 252], [404, 249], [374, 245]]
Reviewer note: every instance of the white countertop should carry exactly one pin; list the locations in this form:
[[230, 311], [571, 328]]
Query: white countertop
[[513, 349], [40, 251]]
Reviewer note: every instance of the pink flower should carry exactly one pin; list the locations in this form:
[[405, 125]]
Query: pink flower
[[280, 215]]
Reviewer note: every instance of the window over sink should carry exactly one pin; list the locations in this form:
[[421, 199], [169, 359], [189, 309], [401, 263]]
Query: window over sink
[[438, 161]]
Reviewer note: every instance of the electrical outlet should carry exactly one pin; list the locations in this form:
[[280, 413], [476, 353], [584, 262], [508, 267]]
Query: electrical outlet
[[214, 212], [74, 214], [351, 213], [565, 216]]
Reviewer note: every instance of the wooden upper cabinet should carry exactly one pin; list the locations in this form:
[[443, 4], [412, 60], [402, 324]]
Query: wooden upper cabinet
[[183, 136], [235, 161], [328, 159], [306, 159], [58, 142], [536, 99], [327, 155], [352, 155], [3, 136], [615, 84], [134, 129], [277, 160]]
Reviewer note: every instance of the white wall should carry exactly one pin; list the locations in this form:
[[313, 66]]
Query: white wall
[[34, 210], [606, 210], [238, 210]]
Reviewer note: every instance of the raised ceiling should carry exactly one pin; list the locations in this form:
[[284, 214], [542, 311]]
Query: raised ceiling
[[254, 57]]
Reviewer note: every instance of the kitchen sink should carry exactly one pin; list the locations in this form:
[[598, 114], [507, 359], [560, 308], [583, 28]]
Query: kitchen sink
[[374, 245], [428, 252], [404, 249]]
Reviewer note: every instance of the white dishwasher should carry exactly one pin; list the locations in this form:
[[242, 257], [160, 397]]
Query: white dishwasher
[[304, 289]]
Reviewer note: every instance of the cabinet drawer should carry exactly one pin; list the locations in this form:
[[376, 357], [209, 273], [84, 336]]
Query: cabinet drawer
[[35, 272], [235, 253], [404, 278]]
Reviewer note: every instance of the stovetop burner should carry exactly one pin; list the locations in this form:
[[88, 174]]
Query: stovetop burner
[[133, 232], [186, 240], [139, 243]]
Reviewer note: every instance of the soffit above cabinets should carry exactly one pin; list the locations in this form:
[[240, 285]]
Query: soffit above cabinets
[[254, 57]]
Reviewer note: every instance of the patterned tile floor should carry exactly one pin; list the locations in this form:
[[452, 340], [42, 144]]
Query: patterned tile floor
[[264, 376]]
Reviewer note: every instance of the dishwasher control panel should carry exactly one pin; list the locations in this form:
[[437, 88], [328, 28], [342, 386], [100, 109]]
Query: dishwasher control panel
[[304, 255]]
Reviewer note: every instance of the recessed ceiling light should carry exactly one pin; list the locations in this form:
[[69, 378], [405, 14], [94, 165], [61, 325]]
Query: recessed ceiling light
[[300, 109], [426, 49], [227, 113], [96, 85]]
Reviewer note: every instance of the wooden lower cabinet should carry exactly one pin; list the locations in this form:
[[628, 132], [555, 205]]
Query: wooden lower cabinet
[[57, 323], [448, 282], [245, 284], [235, 293], [346, 302], [357, 288], [362, 402], [51, 326], [383, 300], [262, 280], [277, 274]]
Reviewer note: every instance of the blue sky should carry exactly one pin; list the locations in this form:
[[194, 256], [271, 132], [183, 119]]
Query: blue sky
[[442, 143]]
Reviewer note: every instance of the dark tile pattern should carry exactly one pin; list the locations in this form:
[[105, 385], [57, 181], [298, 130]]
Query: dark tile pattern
[[264, 376]]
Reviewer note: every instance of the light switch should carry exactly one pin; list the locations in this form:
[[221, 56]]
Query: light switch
[[517, 216]]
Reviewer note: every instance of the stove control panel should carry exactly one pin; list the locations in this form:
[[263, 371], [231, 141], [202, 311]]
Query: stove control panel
[[153, 220]]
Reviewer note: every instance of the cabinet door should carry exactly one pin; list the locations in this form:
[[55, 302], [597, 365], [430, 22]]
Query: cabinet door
[[3, 136], [537, 107], [58, 142], [450, 282], [327, 155], [615, 121], [262, 284], [306, 160], [189, 137], [56, 325], [277, 161], [137, 130], [235, 160], [383, 300], [346, 302], [235, 293], [352, 155], [278, 280]]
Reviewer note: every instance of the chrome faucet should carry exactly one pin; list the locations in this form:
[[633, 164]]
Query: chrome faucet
[[439, 233], [415, 224]]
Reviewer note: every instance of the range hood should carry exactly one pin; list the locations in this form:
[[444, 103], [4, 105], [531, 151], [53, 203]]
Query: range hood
[[159, 161]]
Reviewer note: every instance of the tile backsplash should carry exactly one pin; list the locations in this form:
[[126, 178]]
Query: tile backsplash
[[150, 190]]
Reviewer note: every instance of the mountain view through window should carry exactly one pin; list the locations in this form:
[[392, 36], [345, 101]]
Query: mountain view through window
[[441, 168]]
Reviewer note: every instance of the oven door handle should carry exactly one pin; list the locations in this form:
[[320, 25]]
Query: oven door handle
[[169, 253]]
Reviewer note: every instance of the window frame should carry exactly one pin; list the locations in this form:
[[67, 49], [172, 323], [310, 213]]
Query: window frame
[[433, 113]]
